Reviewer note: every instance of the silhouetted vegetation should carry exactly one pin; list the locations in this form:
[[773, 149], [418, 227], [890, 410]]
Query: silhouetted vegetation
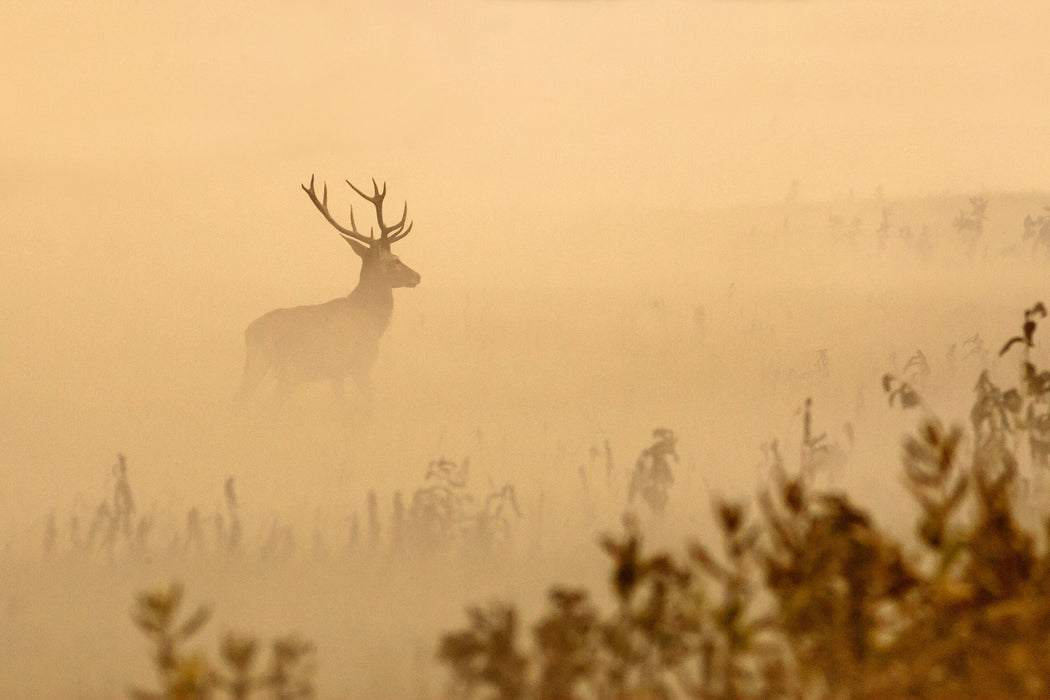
[[798, 592], [811, 597], [193, 675]]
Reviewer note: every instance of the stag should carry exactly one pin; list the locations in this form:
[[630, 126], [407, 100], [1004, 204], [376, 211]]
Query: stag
[[340, 338]]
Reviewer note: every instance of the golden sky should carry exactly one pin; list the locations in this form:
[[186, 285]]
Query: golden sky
[[588, 103]]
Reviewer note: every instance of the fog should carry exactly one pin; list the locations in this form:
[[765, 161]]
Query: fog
[[627, 216]]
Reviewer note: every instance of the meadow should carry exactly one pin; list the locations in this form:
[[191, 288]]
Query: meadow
[[514, 404]]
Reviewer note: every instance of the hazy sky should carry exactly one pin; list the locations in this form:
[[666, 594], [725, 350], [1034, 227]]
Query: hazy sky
[[510, 102]]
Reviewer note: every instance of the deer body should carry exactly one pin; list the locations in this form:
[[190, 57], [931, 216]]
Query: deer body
[[338, 339]]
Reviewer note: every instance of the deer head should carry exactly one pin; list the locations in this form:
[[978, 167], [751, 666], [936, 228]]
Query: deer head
[[379, 266]]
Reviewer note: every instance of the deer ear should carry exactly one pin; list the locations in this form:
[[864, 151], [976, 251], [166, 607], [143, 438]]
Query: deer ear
[[361, 249]]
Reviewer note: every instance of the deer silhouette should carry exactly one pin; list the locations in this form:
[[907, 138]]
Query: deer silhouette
[[339, 338]]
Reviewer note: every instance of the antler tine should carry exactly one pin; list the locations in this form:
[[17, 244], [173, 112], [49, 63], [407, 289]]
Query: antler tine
[[322, 206], [399, 231], [401, 234], [375, 198], [389, 234], [399, 224], [353, 225]]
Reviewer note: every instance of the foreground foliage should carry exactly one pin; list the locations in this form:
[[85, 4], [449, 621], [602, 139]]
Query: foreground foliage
[[192, 675], [811, 598]]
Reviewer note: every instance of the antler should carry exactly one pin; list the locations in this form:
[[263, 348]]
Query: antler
[[322, 206], [387, 234]]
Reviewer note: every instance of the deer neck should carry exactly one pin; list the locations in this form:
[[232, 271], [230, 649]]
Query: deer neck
[[376, 297]]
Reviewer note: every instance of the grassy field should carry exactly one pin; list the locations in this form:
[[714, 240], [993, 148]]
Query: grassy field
[[545, 368]]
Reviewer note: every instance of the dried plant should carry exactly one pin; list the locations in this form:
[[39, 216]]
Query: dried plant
[[653, 475], [1037, 229], [834, 577], [114, 523], [897, 389], [440, 509], [813, 599], [186, 675], [568, 644], [652, 630], [182, 675], [484, 658], [491, 524], [970, 225], [443, 512]]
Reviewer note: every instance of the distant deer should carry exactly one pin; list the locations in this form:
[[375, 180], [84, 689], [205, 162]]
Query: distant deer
[[340, 338]]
